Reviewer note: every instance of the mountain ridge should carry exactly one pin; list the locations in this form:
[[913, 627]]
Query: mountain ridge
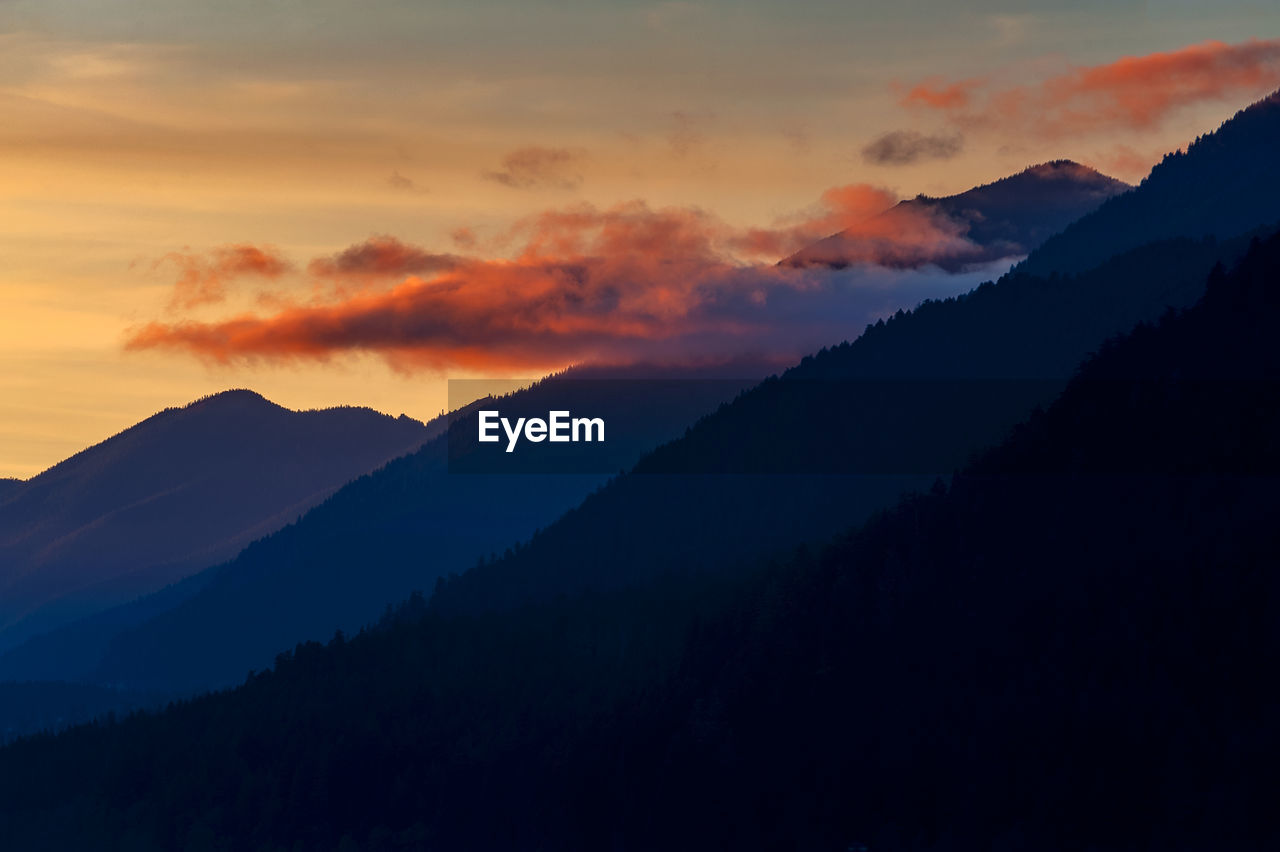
[[152, 502], [1005, 218], [1222, 185], [408, 522], [1024, 326], [938, 678]]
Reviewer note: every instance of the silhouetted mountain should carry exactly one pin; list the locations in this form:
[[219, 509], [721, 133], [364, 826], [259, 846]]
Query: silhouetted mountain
[[177, 492], [1065, 648], [912, 397], [8, 487], [981, 362], [74, 651], [376, 540], [1059, 651], [842, 434], [1004, 219], [1225, 184], [1021, 328]]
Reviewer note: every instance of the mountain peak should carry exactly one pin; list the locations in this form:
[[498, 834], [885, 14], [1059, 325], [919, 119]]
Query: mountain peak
[[1232, 172], [233, 399], [1006, 218], [1066, 175], [1060, 165], [181, 490], [1068, 169]]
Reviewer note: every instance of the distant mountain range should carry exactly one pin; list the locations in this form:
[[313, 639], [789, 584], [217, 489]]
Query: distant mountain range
[[1061, 647], [178, 492], [1227, 182], [409, 525], [1005, 219], [927, 389], [677, 518], [400, 528]]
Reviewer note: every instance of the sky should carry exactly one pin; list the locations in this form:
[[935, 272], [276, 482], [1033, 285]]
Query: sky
[[348, 203]]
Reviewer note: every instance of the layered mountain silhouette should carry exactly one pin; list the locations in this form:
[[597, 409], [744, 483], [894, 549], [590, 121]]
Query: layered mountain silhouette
[[376, 540], [1225, 183], [178, 492], [925, 389], [1060, 648], [1004, 219]]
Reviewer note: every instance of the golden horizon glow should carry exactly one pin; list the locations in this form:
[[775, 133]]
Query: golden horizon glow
[[136, 130]]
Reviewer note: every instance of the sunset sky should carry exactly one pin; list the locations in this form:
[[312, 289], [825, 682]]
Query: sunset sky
[[347, 203]]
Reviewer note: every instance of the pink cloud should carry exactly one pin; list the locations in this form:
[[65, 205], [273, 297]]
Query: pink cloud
[[1133, 93]]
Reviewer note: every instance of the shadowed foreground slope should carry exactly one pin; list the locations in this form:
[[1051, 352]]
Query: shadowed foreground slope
[[1065, 648]]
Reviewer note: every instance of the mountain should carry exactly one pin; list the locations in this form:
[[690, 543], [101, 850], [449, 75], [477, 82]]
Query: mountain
[[1058, 650], [175, 493], [1226, 183], [912, 398], [844, 433], [1004, 219], [397, 529], [7, 487]]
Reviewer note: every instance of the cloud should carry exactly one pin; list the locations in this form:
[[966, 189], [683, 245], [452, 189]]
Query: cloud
[[539, 168], [862, 224], [204, 279], [936, 94], [463, 237], [904, 147], [399, 181], [1133, 93], [903, 237], [839, 208], [1127, 162], [608, 285], [381, 256]]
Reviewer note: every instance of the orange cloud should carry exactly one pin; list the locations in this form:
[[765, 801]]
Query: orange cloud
[[939, 95], [1133, 93], [1127, 162], [862, 224], [584, 284], [902, 237], [840, 208], [382, 255], [537, 168], [203, 279], [463, 237]]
